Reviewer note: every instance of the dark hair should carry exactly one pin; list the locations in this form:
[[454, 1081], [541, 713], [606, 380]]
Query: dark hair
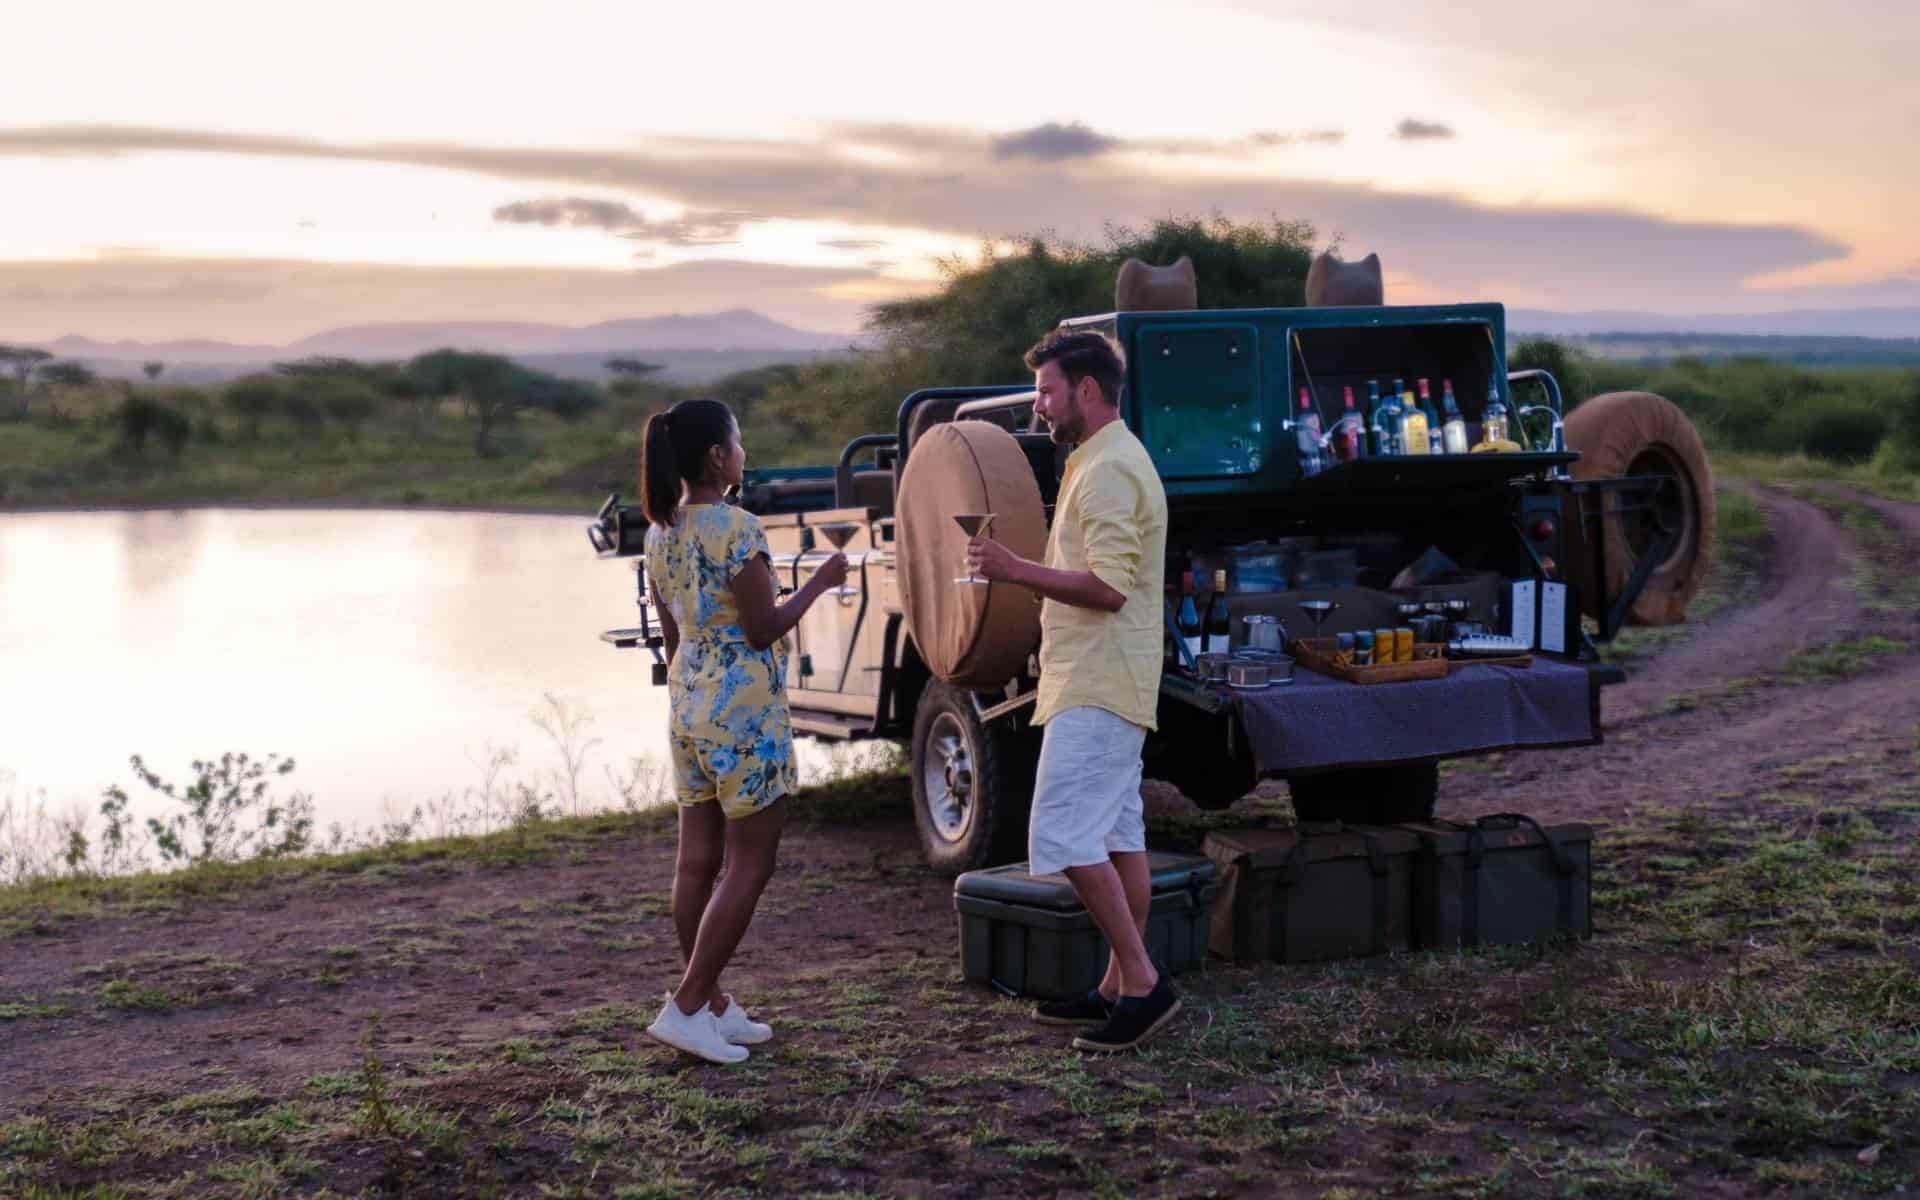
[[674, 452], [1082, 354]]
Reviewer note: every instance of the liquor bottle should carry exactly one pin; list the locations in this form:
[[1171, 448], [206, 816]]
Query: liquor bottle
[[1385, 415], [1306, 435], [1435, 435], [1350, 431], [1493, 418], [1413, 421], [1453, 427]]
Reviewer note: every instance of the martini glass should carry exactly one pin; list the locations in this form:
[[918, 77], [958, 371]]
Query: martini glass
[[973, 525], [1408, 609], [1318, 611], [839, 533]]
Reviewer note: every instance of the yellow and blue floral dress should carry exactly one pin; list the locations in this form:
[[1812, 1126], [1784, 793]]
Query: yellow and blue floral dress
[[729, 731]]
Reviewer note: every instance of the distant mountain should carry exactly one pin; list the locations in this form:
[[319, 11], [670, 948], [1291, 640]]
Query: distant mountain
[[737, 329], [1801, 322]]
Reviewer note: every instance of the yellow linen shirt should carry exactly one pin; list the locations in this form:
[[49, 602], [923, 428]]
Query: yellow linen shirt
[[1110, 519]]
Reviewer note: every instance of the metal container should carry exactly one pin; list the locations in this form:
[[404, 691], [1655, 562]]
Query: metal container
[[1247, 675], [1213, 667], [1280, 671], [1265, 632]]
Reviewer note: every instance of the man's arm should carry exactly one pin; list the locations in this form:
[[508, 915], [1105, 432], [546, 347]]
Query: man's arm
[[1105, 508], [1081, 589]]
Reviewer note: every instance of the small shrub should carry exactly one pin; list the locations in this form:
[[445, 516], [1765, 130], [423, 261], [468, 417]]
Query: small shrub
[[221, 794], [140, 418]]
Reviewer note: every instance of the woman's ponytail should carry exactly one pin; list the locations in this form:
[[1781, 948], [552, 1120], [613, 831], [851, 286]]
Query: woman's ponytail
[[659, 471], [673, 452]]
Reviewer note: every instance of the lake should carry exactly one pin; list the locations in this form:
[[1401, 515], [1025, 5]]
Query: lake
[[391, 654]]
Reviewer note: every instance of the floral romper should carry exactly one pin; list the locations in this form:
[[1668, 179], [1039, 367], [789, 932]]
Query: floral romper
[[729, 731]]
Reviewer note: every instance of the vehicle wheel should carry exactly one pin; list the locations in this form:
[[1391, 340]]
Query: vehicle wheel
[[972, 785], [1639, 433], [1367, 795]]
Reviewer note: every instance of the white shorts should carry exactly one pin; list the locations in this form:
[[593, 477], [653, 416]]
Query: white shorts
[[1086, 795]]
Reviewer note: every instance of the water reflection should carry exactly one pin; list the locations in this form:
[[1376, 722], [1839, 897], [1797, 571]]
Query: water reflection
[[392, 654]]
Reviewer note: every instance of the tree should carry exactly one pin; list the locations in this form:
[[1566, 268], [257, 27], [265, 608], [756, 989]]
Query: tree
[[152, 369], [1569, 367], [251, 399], [631, 368], [495, 388], [24, 360], [67, 375], [141, 417], [348, 405]]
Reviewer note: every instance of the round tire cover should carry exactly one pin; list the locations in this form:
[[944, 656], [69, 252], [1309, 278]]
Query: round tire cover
[[971, 635]]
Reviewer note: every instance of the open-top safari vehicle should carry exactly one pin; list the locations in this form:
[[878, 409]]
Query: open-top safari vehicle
[[1607, 517]]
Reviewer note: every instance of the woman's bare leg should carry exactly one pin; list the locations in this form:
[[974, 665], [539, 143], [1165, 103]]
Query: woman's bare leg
[[751, 843], [703, 832]]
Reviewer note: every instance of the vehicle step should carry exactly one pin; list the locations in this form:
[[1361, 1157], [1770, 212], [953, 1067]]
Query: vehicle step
[[838, 726]]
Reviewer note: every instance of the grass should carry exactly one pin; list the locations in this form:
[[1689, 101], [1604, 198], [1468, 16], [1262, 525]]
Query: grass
[[1880, 477], [1744, 1020]]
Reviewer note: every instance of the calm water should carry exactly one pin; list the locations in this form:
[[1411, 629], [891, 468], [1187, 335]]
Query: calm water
[[387, 652]]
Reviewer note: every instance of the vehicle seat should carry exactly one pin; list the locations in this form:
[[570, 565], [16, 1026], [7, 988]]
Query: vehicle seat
[[872, 490]]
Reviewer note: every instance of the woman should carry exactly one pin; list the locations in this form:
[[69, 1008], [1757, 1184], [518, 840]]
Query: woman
[[731, 737]]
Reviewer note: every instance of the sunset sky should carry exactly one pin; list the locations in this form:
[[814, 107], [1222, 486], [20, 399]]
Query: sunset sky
[[258, 173]]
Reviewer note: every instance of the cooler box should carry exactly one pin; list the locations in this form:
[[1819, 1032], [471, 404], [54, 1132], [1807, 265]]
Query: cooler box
[[1312, 894], [1028, 935], [1500, 880]]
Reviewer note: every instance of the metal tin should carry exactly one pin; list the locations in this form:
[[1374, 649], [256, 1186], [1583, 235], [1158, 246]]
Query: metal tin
[[1383, 646], [1403, 644], [1212, 667], [1280, 672], [1363, 648], [1247, 675], [1256, 654]]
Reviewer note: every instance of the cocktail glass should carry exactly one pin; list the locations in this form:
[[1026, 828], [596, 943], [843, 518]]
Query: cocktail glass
[[1318, 611], [839, 533], [1409, 609], [973, 525]]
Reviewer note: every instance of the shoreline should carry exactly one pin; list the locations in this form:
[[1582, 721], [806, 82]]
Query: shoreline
[[287, 506]]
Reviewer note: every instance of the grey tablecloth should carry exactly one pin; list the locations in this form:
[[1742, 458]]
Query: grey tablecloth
[[1317, 722]]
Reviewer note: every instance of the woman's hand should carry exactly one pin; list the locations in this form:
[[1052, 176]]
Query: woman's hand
[[833, 572]]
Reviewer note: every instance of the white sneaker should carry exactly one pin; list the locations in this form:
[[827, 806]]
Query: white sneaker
[[735, 1026], [698, 1034]]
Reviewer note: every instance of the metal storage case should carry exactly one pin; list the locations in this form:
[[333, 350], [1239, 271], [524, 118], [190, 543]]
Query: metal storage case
[[1501, 880], [1029, 935], [1292, 895]]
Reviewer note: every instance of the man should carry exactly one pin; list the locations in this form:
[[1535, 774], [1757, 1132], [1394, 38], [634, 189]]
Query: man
[[1100, 649]]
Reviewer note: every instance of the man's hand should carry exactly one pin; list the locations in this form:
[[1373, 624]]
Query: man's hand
[[988, 559]]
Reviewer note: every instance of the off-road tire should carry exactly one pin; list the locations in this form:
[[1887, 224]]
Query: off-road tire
[[978, 820], [1367, 795], [1639, 433]]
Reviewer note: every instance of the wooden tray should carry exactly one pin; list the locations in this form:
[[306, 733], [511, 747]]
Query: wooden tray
[[1316, 653]]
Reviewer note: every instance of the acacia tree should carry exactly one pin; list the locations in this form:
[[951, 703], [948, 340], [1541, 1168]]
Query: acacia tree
[[152, 369], [631, 368], [24, 360], [494, 388]]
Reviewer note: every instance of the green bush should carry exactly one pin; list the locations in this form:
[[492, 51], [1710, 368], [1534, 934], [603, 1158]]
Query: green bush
[[140, 418]]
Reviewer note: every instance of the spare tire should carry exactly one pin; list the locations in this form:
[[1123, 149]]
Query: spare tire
[[970, 635], [1639, 433]]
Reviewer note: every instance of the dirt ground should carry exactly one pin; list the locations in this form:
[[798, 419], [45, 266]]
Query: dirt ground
[[466, 1021]]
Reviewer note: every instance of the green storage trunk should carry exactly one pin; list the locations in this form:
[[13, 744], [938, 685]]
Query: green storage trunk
[[1293, 895], [1029, 935], [1500, 880]]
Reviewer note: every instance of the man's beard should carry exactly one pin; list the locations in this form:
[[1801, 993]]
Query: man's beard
[[1067, 430]]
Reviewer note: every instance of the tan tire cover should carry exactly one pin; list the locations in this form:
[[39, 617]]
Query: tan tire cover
[[1613, 432], [971, 635]]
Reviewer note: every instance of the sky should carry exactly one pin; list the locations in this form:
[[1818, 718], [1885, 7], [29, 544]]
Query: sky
[[259, 173]]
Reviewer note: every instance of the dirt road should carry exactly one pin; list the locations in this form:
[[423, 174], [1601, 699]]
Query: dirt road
[[222, 1045]]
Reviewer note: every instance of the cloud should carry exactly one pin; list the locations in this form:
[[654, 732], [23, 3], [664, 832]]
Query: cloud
[[692, 228], [1589, 256], [573, 211], [852, 243], [1412, 130], [1053, 142], [1313, 137]]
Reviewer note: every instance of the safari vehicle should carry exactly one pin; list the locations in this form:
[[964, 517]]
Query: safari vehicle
[[907, 651]]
